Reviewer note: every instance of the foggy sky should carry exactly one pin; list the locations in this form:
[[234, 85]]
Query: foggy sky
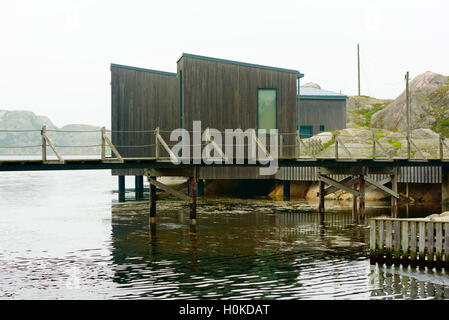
[[55, 55]]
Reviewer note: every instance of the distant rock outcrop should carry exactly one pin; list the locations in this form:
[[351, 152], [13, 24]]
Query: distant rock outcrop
[[429, 105], [312, 85], [361, 108], [27, 137]]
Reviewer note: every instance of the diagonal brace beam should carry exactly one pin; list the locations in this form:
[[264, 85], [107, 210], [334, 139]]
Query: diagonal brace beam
[[169, 189], [338, 185], [348, 181], [381, 187]]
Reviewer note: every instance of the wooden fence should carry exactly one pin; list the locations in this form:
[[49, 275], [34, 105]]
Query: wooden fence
[[420, 241]]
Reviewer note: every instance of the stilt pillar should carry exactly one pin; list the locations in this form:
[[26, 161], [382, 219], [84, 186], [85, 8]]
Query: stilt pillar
[[286, 189], [152, 202], [444, 189], [138, 183], [354, 206], [394, 187], [200, 188], [362, 185], [121, 188], [321, 196], [193, 193]]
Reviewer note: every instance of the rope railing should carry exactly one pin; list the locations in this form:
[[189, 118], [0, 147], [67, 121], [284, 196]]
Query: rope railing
[[326, 145]]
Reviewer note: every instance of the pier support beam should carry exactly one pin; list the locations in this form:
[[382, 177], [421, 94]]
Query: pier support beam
[[193, 193], [200, 188], [362, 187], [152, 202], [138, 184], [121, 188], [321, 196], [444, 189], [286, 189], [394, 188]]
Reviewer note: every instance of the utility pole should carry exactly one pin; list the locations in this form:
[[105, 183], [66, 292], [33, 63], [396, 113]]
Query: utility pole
[[358, 66], [407, 105]]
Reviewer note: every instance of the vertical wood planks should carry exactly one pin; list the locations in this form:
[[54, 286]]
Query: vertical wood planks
[[422, 240], [413, 238], [430, 241], [446, 244], [438, 241], [372, 238], [404, 239], [388, 237], [380, 243], [397, 240]]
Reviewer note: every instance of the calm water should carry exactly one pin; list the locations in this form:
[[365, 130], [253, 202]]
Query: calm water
[[64, 236]]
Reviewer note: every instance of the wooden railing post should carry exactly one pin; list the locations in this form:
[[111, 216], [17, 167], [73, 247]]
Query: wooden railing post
[[336, 145], [408, 147], [441, 147], [374, 146], [156, 135], [44, 143], [103, 143], [297, 150]]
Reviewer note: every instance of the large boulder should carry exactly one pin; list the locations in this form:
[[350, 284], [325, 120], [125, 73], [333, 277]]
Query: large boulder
[[429, 104]]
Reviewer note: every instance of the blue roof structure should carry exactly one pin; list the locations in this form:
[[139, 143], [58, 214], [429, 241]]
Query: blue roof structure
[[309, 93]]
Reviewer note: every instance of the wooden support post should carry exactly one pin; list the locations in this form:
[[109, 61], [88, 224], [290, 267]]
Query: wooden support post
[[444, 189], [153, 198], [121, 188], [192, 191], [200, 188], [336, 145], [321, 196], [286, 190], [362, 185], [156, 139], [44, 143], [103, 143], [394, 188], [138, 182]]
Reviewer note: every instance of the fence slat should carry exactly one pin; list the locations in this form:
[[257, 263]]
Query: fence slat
[[422, 240], [446, 243], [438, 241], [413, 238], [388, 238], [397, 240], [372, 238], [380, 243], [404, 239], [430, 241]]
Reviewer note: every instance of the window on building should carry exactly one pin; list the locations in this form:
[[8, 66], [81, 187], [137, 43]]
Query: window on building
[[321, 128], [305, 132], [266, 109]]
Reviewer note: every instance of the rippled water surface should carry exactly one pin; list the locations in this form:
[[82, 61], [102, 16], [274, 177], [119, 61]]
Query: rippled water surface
[[64, 236]]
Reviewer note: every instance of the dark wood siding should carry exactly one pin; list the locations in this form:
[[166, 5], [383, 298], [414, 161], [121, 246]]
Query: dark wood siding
[[330, 113], [224, 96], [141, 101]]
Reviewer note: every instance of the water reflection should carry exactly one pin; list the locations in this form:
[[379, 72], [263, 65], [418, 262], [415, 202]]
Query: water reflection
[[53, 232], [287, 251]]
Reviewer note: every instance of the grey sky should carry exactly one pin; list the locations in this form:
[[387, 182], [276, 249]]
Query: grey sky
[[55, 55]]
